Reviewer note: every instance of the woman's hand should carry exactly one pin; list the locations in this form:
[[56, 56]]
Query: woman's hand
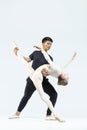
[[15, 50]]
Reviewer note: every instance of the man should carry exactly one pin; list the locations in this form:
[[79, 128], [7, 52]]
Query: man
[[38, 60]]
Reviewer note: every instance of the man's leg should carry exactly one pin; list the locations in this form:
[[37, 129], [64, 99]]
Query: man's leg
[[48, 88], [27, 94]]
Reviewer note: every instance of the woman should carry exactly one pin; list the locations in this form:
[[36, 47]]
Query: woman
[[37, 77]]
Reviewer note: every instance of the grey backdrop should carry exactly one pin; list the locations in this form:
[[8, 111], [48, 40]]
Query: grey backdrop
[[27, 22]]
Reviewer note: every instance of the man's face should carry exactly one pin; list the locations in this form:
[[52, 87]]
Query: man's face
[[47, 45]]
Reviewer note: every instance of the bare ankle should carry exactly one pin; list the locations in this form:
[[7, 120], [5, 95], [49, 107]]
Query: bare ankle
[[18, 113]]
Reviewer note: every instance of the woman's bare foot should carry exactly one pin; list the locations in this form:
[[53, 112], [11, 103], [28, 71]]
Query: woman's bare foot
[[59, 119], [50, 117]]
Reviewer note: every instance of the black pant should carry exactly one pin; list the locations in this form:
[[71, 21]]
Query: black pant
[[30, 88]]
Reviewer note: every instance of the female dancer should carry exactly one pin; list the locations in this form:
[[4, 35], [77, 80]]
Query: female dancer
[[37, 77]]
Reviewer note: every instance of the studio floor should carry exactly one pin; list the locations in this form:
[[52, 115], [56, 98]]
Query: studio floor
[[42, 124]]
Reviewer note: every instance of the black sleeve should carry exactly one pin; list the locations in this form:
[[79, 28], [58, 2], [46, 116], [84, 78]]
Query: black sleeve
[[32, 55]]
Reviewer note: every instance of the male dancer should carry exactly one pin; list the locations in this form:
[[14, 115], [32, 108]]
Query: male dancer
[[37, 77], [38, 60]]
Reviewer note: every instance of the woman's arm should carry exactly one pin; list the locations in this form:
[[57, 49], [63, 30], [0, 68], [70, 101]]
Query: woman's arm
[[24, 60], [16, 50]]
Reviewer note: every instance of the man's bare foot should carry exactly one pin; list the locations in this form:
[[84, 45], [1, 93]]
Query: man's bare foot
[[15, 116]]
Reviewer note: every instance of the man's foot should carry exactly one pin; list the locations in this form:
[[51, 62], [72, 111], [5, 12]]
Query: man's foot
[[14, 117]]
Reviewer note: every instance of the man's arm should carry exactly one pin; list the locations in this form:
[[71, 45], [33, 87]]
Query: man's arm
[[55, 68], [45, 54]]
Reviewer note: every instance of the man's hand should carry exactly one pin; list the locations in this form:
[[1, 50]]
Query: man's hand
[[44, 72]]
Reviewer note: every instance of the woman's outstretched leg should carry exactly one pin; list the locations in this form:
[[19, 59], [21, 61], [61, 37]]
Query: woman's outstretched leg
[[37, 80]]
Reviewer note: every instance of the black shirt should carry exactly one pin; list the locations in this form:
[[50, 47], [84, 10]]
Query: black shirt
[[38, 59]]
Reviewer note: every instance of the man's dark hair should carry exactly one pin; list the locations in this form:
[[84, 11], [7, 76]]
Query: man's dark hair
[[47, 39]]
